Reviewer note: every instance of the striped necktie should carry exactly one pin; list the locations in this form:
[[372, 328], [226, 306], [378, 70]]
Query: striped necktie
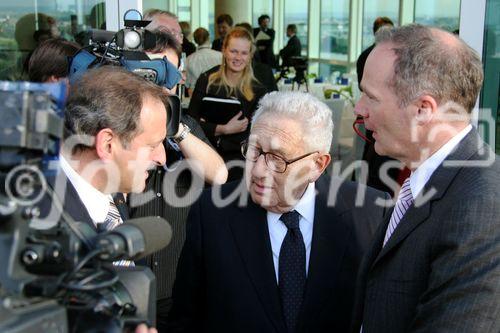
[[113, 219], [405, 200]]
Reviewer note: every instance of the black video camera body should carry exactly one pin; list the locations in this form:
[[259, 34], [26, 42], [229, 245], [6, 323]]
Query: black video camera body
[[55, 279], [126, 48]]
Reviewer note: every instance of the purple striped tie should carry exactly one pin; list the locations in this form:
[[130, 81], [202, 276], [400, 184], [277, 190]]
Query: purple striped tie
[[405, 200]]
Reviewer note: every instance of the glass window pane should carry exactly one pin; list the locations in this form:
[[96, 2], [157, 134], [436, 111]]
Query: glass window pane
[[334, 29], [155, 4], [184, 10], [261, 7], [296, 12], [444, 14], [490, 96], [211, 18], [373, 9], [21, 30], [326, 70]]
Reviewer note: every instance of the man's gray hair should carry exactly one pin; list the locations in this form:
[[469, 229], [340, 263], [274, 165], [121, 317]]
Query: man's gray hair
[[432, 61], [152, 14], [314, 116]]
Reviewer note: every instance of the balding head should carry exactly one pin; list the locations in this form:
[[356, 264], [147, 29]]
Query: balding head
[[435, 62], [165, 21]]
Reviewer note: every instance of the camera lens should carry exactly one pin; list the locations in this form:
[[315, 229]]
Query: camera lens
[[132, 39]]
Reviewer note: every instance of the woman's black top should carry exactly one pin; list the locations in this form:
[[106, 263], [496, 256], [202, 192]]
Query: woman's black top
[[228, 146]]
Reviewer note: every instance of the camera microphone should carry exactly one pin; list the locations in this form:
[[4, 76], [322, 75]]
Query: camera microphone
[[134, 239]]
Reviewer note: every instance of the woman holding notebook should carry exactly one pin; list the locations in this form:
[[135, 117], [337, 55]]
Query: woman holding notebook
[[226, 96]]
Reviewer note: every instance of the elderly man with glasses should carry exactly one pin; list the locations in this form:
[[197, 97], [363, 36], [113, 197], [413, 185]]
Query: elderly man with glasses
[[280, 251]]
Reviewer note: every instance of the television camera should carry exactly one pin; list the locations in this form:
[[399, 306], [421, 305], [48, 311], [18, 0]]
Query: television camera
[[126, 48], [299, 65], [57, 274]]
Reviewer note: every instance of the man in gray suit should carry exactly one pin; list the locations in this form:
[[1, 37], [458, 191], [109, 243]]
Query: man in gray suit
[[434, 265]]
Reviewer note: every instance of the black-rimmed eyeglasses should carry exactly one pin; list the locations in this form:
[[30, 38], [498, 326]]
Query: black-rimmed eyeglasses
[[274, 162]]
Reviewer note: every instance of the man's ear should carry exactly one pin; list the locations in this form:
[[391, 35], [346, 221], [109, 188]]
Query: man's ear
[[320, 164], [427, 108], [104, 143]]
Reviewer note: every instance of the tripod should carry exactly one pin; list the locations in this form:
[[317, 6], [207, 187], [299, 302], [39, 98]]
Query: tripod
[[300, 78]]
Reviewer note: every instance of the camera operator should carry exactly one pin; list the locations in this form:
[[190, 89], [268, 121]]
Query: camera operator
[[189, 145], [189, 140]]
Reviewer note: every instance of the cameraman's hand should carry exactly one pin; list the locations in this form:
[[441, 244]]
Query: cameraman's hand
[[234, 125], [142, 328]]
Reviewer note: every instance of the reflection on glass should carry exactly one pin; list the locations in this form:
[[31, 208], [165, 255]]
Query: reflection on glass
[[444, 14], [334, 29], [21, 30], [296, 12], [261, 7], [373, 9]]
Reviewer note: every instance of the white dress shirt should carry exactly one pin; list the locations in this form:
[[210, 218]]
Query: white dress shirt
[[277, 229], [96, 202], [423, 173], [199, 62]]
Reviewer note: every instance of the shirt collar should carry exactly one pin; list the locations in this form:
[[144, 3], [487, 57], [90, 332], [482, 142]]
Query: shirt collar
[[423, 173], [96, 202], [204, 46], [305, 206]]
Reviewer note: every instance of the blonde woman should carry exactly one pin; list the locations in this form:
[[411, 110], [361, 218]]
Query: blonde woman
[[233, 79]]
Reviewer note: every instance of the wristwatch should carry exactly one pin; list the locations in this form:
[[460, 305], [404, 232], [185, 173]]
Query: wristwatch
[[183, 135]]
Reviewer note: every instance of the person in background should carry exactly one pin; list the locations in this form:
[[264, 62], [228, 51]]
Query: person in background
[[233, 79], [187, 47], [202, 60], [282, 256], [164, 20], [49, 61], [224, 25], [264, 37], [434, 263], [374, 160], [293, 48], [360, 63], [263, 73], [191, 161]]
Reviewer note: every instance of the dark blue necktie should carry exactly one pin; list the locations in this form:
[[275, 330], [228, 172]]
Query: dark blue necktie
[[292, 269]]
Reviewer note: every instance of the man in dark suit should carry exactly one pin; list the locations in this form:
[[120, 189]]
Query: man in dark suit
[[292, 48], [434, 264], [115, 124], [264, 39], [285, 259], [224, 25]]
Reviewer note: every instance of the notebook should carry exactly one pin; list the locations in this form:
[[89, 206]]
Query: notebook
[[219, 110]]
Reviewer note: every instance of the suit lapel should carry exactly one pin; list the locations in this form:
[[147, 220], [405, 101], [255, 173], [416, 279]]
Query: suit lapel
[[72, 204], [327, 250], [437, 186], [251, 234]]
